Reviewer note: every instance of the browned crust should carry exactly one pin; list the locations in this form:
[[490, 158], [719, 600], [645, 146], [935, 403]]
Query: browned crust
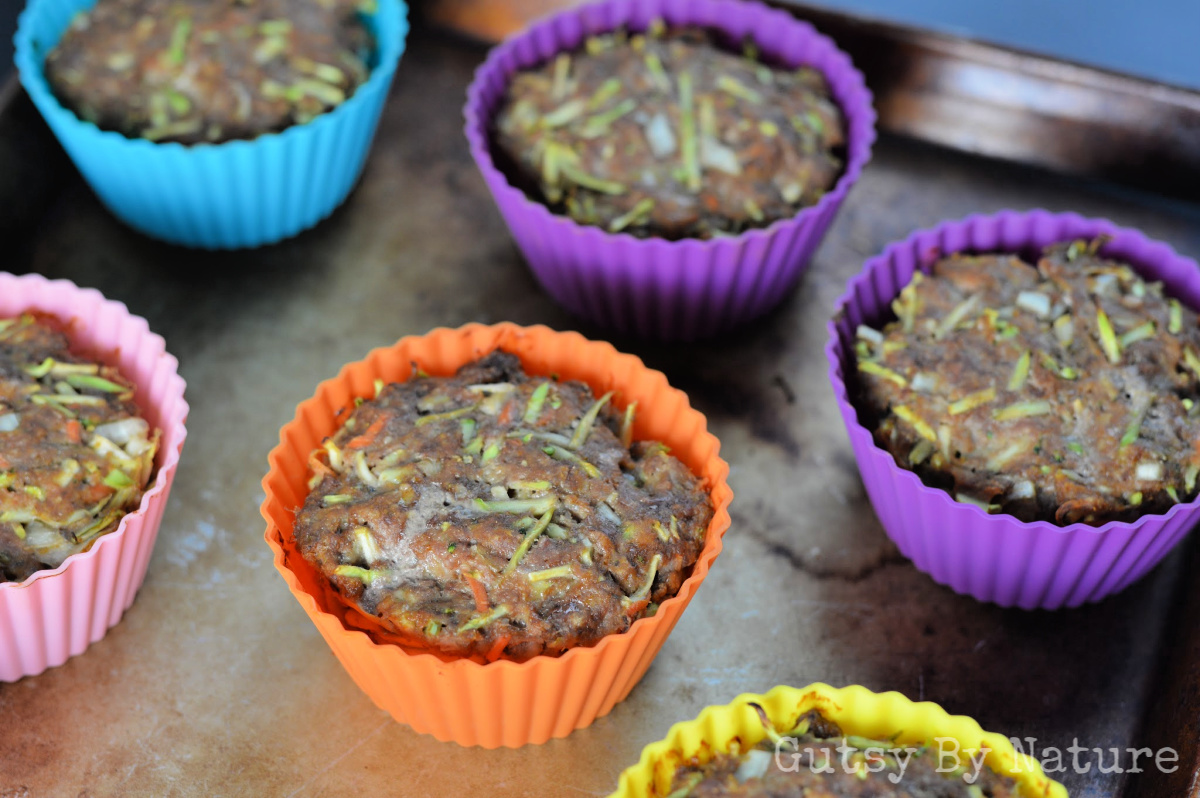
[[210, 71], [447, 478], [58, 491], [708, 142], [1080, 438]]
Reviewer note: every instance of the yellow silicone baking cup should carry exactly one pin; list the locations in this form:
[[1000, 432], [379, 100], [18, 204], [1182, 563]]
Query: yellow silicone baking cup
[[855, 709]]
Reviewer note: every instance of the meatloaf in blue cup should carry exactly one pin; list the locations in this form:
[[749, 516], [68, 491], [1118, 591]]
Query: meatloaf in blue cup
[[235, 194]]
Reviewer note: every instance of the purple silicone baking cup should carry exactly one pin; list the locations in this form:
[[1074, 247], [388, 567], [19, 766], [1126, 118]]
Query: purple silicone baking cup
[[998, 558], [670, 290]]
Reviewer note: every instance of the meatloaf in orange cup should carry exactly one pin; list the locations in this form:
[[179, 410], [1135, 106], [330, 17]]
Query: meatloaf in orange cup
[[432, 510]]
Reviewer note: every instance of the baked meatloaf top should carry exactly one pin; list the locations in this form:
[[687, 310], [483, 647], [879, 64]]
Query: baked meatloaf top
[[75, 454], [1064, 390], [814, 758], [209, 70], [495, 514], [666, 134]]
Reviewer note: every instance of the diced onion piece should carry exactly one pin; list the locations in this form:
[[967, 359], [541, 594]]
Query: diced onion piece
[[869, 334], [67, 472], [1035, 302], [1149, 472], [1022, 490], [1064, 330], [924, 382], [659, 136], [754, 765], [608, 513], [1103, 283], [9, 422], [716, 155], [123, 431], [48, 545]]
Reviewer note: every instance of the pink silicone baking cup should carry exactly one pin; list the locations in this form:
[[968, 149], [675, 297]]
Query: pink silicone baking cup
[[55, 615], [998, 558], [653, 287]]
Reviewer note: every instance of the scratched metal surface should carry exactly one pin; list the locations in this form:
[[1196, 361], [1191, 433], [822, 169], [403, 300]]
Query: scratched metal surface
[[216, 683]]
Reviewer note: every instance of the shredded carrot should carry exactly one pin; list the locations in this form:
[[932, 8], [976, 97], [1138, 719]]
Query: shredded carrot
[[481, 599], [4, 463], [368, 436], [498, 648], [94, 493], [506, 413], [317, 465], [635, 608], [75, 431]]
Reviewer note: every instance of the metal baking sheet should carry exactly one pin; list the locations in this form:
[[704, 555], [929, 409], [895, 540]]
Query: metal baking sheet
[[215, 683]]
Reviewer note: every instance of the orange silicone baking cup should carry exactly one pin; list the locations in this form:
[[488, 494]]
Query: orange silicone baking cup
[[501, 703]]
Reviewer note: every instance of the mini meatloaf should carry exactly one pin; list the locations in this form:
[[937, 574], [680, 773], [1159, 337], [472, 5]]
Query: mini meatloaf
[[1065, 391], [816, 759], [75, 455], [209, 70], [496, 514], [666, 134]]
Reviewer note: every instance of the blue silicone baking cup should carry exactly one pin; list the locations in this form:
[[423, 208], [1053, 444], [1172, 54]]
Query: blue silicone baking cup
[[232, 195]]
